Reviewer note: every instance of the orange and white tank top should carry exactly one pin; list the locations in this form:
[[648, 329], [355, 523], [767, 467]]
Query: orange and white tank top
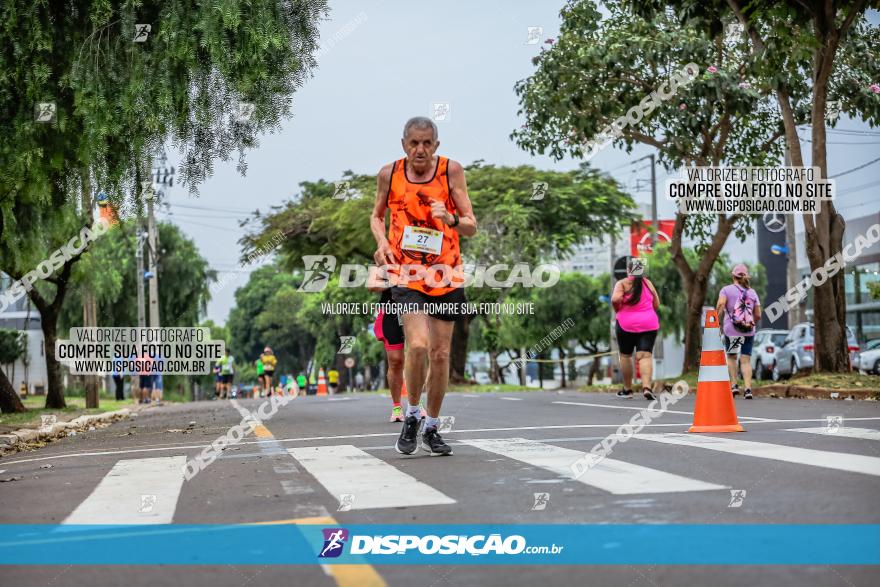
[[419, 239]]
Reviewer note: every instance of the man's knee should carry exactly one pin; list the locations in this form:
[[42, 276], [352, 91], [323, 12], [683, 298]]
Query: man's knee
[[642, 355], [418, 348], [439, 355]]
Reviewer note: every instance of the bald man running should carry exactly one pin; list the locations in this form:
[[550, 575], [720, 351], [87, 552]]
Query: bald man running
[[429, 207]]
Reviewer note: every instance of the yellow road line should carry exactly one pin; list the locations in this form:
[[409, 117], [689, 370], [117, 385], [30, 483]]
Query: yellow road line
[[344, 575], [261, 431]]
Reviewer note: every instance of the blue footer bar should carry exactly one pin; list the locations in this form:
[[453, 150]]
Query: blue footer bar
[[454, 544]]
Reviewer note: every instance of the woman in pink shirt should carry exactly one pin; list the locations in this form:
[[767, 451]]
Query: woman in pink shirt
[[636, 302]]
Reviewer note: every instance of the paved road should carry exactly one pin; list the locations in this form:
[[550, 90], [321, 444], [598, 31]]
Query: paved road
[[508, 447]]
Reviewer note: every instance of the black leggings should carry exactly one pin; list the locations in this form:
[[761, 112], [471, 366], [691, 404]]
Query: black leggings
[[640, 341]]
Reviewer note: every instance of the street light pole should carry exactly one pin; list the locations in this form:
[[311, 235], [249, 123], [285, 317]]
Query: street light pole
[[154, 271], [653, 201], [163, 177]]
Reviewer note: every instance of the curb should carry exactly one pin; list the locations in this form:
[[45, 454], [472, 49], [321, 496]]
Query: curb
[[19, 439], [805, 392]]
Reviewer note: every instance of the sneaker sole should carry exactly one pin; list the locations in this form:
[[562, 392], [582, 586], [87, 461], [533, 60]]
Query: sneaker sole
[[397, 448], [436, 454]]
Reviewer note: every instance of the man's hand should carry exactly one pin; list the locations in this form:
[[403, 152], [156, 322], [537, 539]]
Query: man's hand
[[384, 255], [439, 211]]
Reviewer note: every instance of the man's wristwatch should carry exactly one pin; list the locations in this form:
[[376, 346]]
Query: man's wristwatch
[[455, 220]]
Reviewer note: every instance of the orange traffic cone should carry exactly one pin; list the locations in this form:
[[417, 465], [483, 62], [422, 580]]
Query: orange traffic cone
[[322, 383], [714, 411]]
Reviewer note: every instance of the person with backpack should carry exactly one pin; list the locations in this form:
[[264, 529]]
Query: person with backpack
[[740, 308]]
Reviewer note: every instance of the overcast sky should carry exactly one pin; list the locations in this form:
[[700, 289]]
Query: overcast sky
[[398, 59]]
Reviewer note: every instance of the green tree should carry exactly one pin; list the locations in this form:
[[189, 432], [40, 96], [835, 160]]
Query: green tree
[[810, 53], [117, 101], [110, 271], [600, 69], [251, 317], [13, 346]]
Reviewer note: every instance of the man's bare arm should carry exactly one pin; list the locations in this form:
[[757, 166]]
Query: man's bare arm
[[467, 222], [383, 255]]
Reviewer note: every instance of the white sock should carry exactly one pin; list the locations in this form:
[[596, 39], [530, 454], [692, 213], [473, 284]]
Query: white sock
[[431, 422], [412, 411]]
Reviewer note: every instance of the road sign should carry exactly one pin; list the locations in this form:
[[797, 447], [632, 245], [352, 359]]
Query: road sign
[[349, 362], [620, 266]]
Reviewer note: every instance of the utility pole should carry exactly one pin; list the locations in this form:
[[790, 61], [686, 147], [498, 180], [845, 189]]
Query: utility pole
[[153, 265], [653, 201], [794, 316], [163, 177], [139, 256], [612, 340]]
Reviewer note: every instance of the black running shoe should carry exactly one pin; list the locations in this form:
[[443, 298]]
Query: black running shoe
[[626, 393], [433, 443], [735, 390], [649, 395], [408, 441], [748, 394]]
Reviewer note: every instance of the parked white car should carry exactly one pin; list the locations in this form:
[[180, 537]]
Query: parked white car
[[868, 361], [767, 342]]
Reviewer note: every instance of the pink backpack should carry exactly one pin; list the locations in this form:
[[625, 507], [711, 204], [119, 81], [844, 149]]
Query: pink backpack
[[743, 317]]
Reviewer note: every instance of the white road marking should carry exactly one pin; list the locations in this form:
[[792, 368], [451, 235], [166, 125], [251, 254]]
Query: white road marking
[[777, 452], [617, 477], [512, 399], [664, 411], [178, 447], [118, 498], [863, 433], [373, 482]]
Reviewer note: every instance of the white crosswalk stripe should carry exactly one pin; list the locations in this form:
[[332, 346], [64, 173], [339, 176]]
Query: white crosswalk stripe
[[373, 483], [765, 450], [863, 433], [614, 476], [135, 491]]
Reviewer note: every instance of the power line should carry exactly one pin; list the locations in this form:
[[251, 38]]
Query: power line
[[842, 142], [214, 208], [854, 168]]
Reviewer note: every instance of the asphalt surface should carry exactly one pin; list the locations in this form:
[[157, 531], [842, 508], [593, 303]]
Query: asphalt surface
[[274, 477]]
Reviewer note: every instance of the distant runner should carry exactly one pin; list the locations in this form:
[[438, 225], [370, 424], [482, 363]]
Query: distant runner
[[739, 305], [227, 372], [427, 201], [636, 303], [388, 328], [258, 366], [269, 362]]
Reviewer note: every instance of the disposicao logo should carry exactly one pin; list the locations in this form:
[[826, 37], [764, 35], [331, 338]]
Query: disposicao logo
[[334, 540]]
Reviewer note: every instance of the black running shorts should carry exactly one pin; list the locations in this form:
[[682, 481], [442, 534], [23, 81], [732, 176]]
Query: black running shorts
[[640, 341]]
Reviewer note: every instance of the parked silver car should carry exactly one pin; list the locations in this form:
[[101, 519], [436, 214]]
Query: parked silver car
[[767, 342], [869, 359], [796, 353]]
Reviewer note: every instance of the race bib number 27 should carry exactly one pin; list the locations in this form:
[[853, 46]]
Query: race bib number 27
[[423, 240]]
